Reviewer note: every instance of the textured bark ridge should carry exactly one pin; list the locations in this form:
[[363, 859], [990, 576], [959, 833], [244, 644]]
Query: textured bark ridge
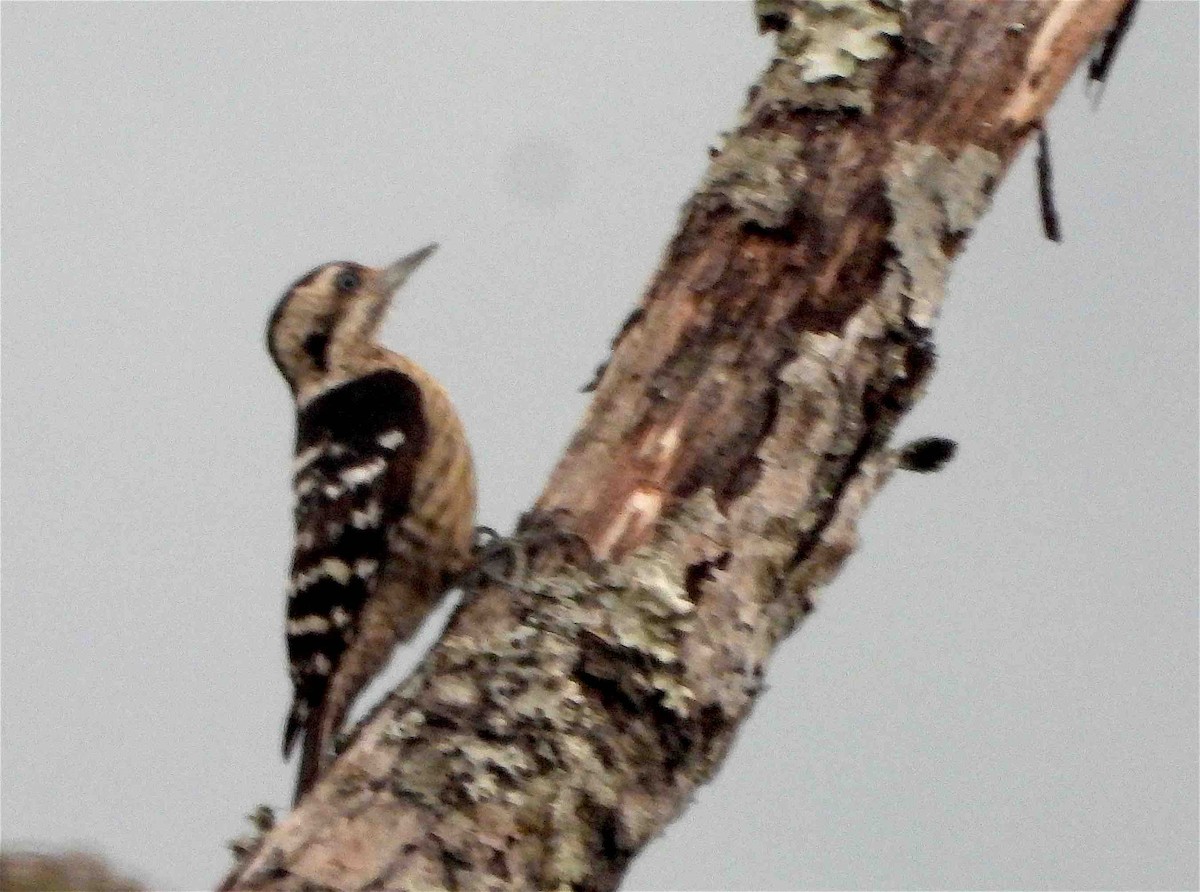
[[736, 435]]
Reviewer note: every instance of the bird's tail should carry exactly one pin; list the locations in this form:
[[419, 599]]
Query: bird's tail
[[313, 749]]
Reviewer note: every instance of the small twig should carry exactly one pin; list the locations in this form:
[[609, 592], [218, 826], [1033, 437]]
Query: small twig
[[1045, 178], [1102, 61], [262, 819], [596, 376]]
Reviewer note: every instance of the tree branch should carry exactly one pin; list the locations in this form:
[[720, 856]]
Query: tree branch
[[736, 435]]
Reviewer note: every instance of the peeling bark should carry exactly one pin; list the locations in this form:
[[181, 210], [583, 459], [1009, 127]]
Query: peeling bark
[[737, 433]]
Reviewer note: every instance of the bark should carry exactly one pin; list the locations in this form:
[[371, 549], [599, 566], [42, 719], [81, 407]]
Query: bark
[[737, 433]]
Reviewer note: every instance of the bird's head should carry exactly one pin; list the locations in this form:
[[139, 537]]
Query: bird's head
[[327, 320]]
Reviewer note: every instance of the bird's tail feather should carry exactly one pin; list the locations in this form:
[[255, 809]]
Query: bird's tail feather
[[312, 749]]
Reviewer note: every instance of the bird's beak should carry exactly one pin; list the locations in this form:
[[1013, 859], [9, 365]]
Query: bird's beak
[[392, 277]]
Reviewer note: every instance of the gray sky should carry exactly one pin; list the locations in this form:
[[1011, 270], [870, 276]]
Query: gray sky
[[998, 691]]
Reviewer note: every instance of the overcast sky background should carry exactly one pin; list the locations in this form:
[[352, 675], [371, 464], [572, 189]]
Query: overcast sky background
[[998, 691]]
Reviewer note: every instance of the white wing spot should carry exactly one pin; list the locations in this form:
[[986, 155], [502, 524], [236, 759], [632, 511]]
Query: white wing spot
[[365, 567], [340, 617], [308, 625], [363, 473], [367, 518], [306, 458], [304, 486], [336, 569], [391, 440], [320, 664], [331, 567], [332, 490]]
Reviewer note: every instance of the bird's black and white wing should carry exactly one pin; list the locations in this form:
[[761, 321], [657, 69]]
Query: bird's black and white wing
[[357, 449]]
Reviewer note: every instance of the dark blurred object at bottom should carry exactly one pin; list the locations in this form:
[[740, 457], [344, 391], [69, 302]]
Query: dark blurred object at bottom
[[43, 872]]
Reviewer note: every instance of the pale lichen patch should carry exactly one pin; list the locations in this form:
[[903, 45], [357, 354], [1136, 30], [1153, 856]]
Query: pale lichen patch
[[494, 758], [829, 38], [760, 177], [677, 697], [650, 610], [932, 198], [569, 858], [406, 727], [823, 48], [786, 86], [454, 691], [967, 187], [701, 513]]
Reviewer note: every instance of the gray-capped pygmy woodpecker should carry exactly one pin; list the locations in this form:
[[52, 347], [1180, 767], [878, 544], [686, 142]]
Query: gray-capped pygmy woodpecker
[[384, 494]]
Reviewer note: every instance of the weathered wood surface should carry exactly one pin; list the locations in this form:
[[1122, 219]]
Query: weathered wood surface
[[737, 433]]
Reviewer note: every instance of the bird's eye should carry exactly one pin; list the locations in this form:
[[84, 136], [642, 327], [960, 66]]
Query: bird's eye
[[347, 281]]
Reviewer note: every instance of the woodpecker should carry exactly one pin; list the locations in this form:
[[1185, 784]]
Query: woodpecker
[[384, 494]]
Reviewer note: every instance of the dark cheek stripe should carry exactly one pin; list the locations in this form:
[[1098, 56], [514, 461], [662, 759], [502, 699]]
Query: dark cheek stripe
[[316, 345]]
